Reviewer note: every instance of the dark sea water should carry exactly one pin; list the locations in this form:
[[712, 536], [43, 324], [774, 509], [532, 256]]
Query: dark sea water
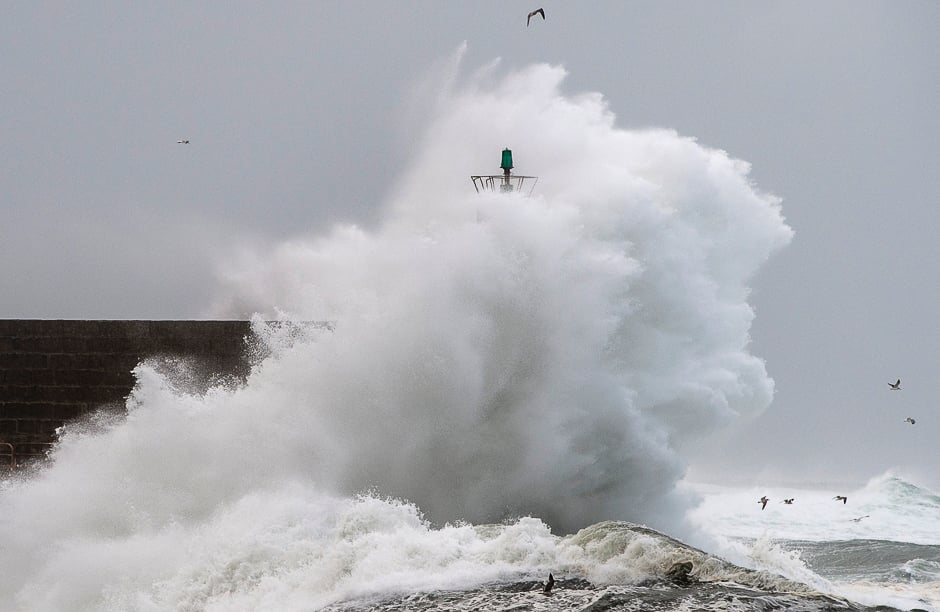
[[876, 560]]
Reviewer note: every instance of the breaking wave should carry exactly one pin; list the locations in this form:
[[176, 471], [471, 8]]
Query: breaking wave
[[489, 358]]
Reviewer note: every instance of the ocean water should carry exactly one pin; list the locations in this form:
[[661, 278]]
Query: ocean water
[[880, 547], [502, 392]]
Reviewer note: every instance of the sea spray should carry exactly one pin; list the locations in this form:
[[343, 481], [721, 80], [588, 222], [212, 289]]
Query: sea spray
[[486, 358], [500, 354]]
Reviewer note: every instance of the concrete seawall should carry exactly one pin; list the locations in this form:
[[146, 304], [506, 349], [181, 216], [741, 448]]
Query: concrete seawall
[[52, 371]]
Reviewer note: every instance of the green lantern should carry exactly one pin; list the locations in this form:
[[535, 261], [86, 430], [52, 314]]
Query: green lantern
[[507, 160]]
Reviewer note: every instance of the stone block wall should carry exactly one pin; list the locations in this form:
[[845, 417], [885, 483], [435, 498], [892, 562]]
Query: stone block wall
[[52, 371]]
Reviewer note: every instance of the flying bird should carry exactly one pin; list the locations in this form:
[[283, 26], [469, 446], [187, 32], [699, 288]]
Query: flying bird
[[537, 11], [182, 142], [909, 420], [841, 497], [895, 386], [547, 587], [763, 502], [788, 501], [859, 519]]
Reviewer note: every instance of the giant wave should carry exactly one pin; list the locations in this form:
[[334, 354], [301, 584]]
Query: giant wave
[[489, 358]]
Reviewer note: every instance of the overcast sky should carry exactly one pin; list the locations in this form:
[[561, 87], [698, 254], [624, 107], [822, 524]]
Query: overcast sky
[[302, 115]]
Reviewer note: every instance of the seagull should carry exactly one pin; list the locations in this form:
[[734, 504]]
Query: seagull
[[841, 497], [533, 14], [909, 420], [788, 501], [895, 386], [859, 519], [547, 587], [182, 142], [763, 502]]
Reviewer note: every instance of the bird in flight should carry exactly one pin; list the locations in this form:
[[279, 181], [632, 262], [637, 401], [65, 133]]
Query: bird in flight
[[788, 501], [763, 502], [843, 498], [537, 11], [859, 519], [895, 386], [182, 142], [909, 420]]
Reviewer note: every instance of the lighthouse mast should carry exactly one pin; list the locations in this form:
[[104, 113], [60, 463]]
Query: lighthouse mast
[[506, 182]]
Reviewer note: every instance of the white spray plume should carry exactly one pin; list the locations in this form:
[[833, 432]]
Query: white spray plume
[[491, 355], [496, 354]]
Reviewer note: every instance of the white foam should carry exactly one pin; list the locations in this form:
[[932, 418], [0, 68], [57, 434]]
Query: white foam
[[491, 357], [550, 358]]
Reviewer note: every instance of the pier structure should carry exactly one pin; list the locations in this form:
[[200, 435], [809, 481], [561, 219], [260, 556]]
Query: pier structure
[[54, 371]]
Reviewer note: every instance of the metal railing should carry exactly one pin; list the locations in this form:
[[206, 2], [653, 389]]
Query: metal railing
[[500, 183], [12, 463], [20, 454], [30, 453]]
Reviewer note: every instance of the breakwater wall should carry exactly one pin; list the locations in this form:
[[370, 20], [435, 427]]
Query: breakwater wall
[[53, 371]]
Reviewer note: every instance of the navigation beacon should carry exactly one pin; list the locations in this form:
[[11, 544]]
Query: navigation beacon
[[506, 182]]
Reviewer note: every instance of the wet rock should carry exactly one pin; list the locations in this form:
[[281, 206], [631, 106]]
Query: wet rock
[[679, 573]]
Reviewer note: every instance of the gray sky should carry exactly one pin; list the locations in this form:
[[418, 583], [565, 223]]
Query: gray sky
[[299, 118]]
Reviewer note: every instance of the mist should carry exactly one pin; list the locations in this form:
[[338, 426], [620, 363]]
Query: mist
[[488, 356], [549, 354]]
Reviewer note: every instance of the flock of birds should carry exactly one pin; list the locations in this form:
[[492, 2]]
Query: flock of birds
[[895, 386], [789, 501]]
